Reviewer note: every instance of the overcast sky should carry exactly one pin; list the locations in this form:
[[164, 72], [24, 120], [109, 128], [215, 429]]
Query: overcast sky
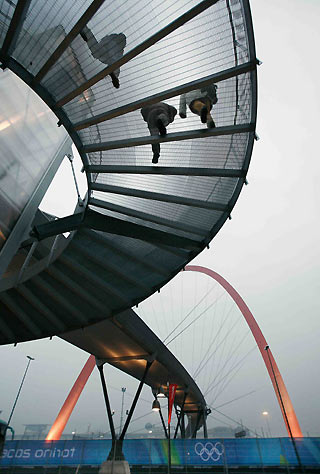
[[268, 251]]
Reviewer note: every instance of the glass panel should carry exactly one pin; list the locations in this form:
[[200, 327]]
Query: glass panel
[[29, 139]]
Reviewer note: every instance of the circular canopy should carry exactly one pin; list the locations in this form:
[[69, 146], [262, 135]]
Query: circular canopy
[[142, 222]]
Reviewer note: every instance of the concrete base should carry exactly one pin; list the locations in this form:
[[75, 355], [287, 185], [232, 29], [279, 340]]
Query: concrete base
[[114, 467]]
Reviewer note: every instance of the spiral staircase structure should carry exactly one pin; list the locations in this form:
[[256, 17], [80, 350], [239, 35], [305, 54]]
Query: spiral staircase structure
[[140, 223]]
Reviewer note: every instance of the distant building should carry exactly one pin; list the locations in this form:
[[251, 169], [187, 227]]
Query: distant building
[[34, 431], [222, 432]]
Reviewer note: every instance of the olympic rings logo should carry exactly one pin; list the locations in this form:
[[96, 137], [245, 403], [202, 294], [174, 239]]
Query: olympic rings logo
[[209, 451]]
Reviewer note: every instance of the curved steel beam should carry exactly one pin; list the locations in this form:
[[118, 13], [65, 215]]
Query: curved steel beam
[[286, 407]]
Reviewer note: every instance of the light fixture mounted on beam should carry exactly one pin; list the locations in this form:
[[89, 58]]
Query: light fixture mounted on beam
[[161, 393], [155, 405]]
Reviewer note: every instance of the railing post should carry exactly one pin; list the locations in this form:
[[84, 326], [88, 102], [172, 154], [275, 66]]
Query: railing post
[[107, 402]]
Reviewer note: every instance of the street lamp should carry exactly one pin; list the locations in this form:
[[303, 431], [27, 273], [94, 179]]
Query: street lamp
[[18, 394], [155, 405], [158, 392], [123, 389], [161, 393], [266, 415]]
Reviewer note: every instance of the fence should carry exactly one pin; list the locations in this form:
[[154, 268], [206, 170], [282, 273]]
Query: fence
[[251, 452]]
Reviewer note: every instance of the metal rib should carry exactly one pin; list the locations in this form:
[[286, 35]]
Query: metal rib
[[85, 18], [83, 250], [60, 299], [166, 170], [39, 306], [96, 280], [75, 287], [119, 250], [174, 25], [107, 188], [6, 331], [15, 27], [170, 137], [20, 314], [147, 217], [113, 225], [167, 94]]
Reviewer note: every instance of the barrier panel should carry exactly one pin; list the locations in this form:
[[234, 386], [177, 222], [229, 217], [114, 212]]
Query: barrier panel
[[256, 452]]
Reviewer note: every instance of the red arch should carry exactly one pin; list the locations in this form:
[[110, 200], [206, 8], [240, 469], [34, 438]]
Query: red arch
[[289, 415], [286, 407]]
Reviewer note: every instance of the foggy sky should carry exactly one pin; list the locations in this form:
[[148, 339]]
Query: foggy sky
[[268, 251]]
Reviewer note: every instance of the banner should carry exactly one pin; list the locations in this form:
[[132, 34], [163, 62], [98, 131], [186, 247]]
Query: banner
[[254, 452], [172, 393]]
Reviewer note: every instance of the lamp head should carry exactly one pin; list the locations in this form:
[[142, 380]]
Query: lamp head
[[155, 405], [161, 393]]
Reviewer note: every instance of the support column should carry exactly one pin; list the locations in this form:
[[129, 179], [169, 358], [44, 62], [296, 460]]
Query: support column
[[107, 402], [182, 425], [194, 434], [205, 429], [163, 423], [116, 463], [181, 415], [116, 448], [134, 403]]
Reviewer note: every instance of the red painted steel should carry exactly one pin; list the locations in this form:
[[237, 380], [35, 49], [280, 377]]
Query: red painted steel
[[172, 394], [291, 422], [71, 400]]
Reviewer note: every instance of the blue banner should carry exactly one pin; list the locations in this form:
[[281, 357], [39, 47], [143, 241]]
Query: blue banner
[[196, 452]]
